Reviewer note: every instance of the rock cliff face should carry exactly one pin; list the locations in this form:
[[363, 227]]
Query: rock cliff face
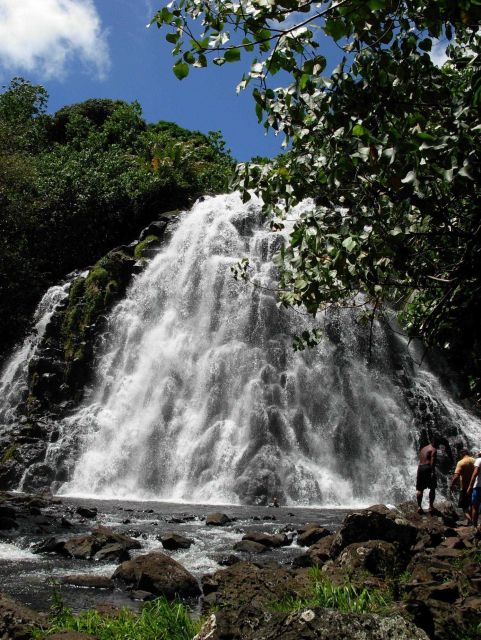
[[61, 367]]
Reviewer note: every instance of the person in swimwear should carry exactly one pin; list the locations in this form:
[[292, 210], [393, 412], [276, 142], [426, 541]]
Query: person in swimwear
[[463, 473], [426, 475]]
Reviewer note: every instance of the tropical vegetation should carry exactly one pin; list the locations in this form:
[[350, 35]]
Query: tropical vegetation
[[76, 183]]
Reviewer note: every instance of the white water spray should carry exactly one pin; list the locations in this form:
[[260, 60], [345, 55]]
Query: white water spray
[[14, 375], [200, 397]]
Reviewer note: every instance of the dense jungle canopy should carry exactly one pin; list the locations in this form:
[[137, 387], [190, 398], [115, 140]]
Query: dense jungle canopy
[[387, 144], [76, 183]]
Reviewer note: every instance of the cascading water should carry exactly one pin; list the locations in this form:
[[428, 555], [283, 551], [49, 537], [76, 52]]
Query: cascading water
[[14, 375], [199, 396]]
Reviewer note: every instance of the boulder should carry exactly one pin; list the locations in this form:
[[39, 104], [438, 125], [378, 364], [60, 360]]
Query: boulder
[[217, 519], [159, 574], [375, 556], [250, 623], [174, 541], [312, 535], [17, 621], [115, 552], [272, 541], [320, 552], [375, 523], [249, 546]]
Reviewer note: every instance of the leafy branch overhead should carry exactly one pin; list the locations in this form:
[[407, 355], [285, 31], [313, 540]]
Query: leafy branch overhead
[[387, 145]]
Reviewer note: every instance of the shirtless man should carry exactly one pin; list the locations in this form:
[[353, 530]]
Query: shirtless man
[[463, 473], [426, 476]]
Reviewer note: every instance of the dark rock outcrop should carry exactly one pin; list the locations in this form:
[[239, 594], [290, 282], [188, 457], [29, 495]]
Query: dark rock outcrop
[[250, 623], [376, 523], [246, 583]]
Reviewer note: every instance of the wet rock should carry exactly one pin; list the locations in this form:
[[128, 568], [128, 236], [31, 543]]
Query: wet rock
[[273, 541], [86, 512], [321, 551], [376, 523], [17, 621], [174, 541], [51, 545], [87, 580], [250, 623], [217, 519], [115, 552], [102, 544], [159, 574], [249, 546], [311, 535]]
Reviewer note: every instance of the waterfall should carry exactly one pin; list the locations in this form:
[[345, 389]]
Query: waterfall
[[14, 375], [200, 397]]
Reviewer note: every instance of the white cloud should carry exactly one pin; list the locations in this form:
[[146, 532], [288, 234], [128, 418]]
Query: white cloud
[[44, 36]]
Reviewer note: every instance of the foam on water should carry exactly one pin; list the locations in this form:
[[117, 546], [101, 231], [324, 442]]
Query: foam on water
[[12, 553]]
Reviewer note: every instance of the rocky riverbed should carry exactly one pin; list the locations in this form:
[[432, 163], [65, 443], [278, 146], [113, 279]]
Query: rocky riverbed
[[232, 564]]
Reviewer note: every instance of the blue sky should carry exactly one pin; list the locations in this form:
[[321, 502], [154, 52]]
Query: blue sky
[[81, 49]]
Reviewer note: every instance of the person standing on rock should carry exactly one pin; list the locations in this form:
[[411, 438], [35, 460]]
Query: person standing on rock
[[426, 475], [474, 490], [463, 472]]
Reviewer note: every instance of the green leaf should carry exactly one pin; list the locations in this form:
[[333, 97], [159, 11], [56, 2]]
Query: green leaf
[[232, 55], [349, 244], [172, 37], [335, 28], [359, 130], [181, 70]]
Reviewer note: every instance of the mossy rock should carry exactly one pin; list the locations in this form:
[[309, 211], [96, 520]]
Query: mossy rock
[[139, 253], [91, 297], [9, 453]]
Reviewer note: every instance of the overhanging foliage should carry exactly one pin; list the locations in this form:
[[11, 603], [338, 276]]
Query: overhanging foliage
[[387, 145]]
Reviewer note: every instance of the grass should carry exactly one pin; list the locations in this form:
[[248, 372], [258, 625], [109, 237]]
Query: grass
[[157, 620], [346, 598]]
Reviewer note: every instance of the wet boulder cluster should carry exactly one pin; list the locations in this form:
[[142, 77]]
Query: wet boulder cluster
[[427, 569]]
